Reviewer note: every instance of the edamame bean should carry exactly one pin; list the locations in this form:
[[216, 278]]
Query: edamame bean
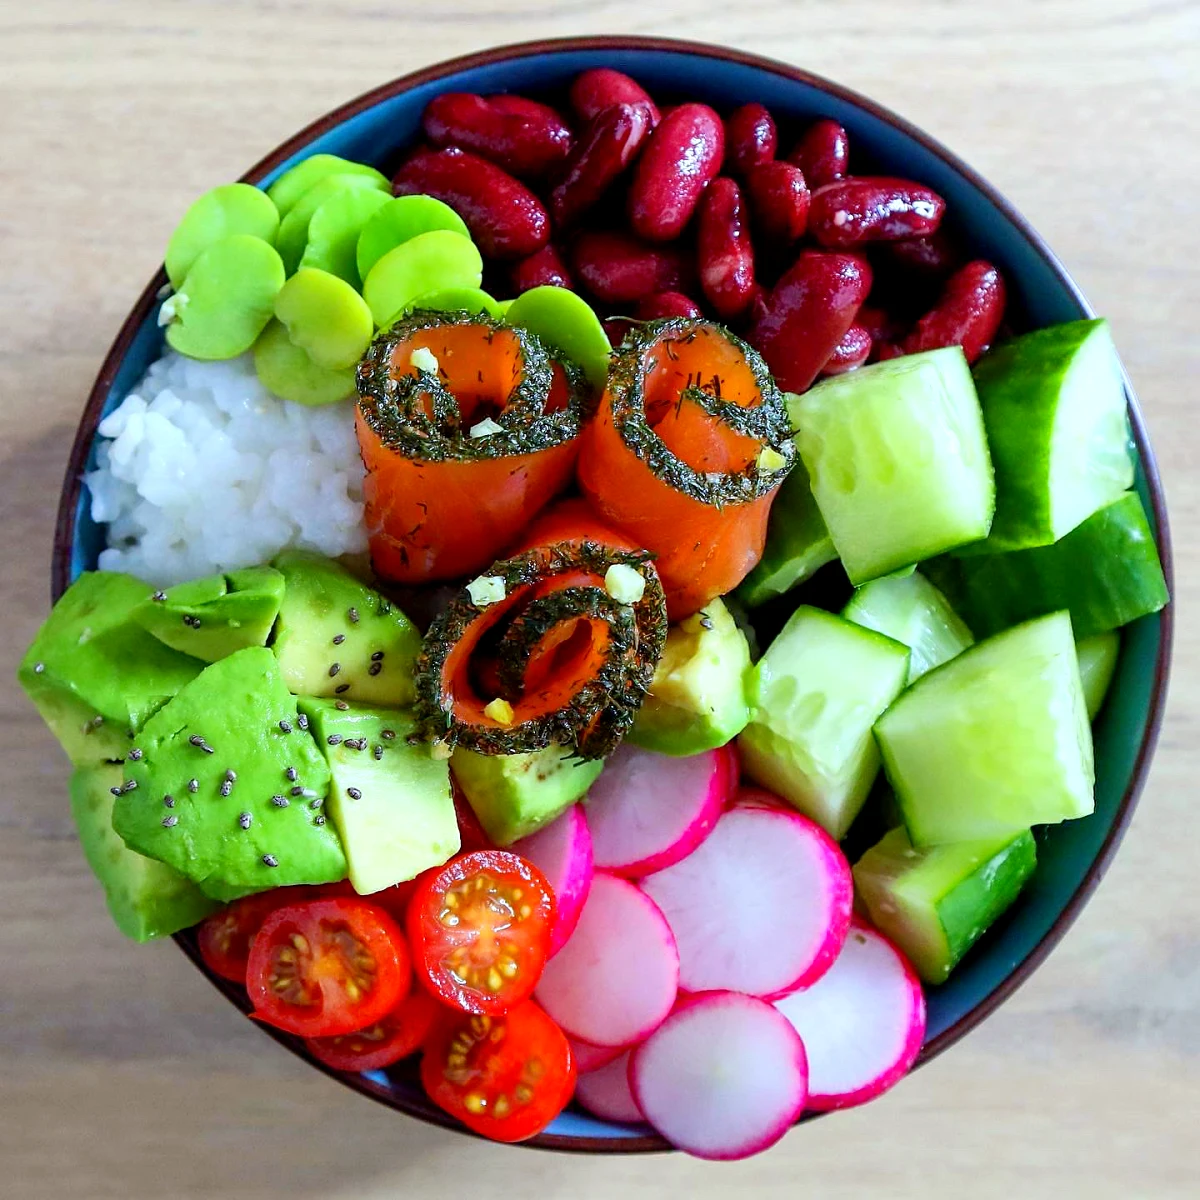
[[293, 229], [334, 229], [428, 262], [398, 221], [287, 370], [230, 208], [293, 183], [325, 317]]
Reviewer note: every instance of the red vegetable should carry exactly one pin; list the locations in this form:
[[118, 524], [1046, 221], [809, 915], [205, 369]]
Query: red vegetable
[[400, 1033], [619, 269], [750, 138], [780, 200], [852, 351], [224, 938], [864, 208], [666, 304], [543, 268], [823, 153], [600, 88], [967, 315], [522, 136], [725, 253]]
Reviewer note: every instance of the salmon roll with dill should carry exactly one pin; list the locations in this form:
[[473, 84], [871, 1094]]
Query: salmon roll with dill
[[687, 450], [555, 645], [467, 429]]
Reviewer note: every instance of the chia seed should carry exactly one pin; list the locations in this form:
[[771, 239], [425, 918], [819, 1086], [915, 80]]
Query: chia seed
[[169, 801], [292, 774], [341, 687], [169, 822], [352, 613], [377, 752], [269, 860], [135, 754], [354, 793], [38, 667], [280, 801], [193, 785], [318, 820], [116, 791], [375, 668], [340, 705], [377, 656], [302, 721], [297, 790], [200, 744], [317, 803], [387, 734], [159, 596], [245, 820], [226, 788], [338, 638], [334, 738], [285, 726], [130, 785], [334, 668]]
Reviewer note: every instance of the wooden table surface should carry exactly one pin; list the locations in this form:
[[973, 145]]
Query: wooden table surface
[[122, 1072]]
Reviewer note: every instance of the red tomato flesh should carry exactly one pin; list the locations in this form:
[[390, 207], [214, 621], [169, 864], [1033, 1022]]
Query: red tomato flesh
[[504, 1077], [225, 937], [327, 967], [480, 930], [402, 1032]]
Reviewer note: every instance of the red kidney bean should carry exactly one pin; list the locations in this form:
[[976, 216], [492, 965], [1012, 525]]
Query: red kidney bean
[[619, 269], [601, 88], [750, 138], [880, 324], [823, 153], [870, 208], [605, 149], [968, 314], [615, 329], [935, 255], [505, 218], [543, 268], [525, 138], [852, 351], [667, 304], [725, 254], [779, 199], [808, 313], [682, 156], [757, 308]]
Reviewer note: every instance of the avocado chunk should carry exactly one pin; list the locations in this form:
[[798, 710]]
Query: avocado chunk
[[514, 795], [697, 699], [211, 617], [94, 673], [390, 802], [338, 637], [246, 783], [146, 898]]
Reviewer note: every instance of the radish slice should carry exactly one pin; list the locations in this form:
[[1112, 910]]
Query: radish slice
[[562, 851], [762, 906], [605, 1092], [647, 811], [615, 979], [862, 1022], [723, 1077], [592, 1058]]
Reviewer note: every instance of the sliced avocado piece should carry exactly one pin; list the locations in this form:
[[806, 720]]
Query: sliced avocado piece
[[211, 617], [94, 673], [390, 802], [1097, 661], [246, 781], [145, 897], [338, 637], [697, 699], [514, 795]]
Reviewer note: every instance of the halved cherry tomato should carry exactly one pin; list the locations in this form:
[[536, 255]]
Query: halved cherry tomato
[[403, 1031], [504, 1077], [327, 967], [480, 930], [225, 937], [393, 900]]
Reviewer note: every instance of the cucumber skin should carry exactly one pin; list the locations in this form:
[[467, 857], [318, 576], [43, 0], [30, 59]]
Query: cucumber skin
[[991, 879], [1019, 384], [1098, 656], [1105, 572]]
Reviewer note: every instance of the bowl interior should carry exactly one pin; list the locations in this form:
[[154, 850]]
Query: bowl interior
[[1071, 855]]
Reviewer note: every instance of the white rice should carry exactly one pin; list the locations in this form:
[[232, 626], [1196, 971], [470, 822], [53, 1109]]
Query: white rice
[[202, 470]]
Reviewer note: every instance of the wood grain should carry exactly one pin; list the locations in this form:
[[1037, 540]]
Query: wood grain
[[124, 1074]]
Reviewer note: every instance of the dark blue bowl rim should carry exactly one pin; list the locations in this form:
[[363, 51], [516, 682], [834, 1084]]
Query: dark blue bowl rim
[[72, 484]]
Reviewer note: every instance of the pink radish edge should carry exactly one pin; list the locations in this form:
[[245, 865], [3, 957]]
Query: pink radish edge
[[616, 978], [592, 1058], [647, 810], [606, 1093], [679, 1078], [562, 851], [762, 906], [866, 1014]]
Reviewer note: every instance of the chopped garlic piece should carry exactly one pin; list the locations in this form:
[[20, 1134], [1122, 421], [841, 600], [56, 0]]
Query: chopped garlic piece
[[423, 359], [486, 589], [624, 584], [500, 711], [439, 750], [769, 459], [486, 428], [172, 306]]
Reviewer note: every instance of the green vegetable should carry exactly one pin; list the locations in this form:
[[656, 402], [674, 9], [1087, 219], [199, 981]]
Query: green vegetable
[[1054, 405], [814, 696], [1105, 572], [567, 323], [911, 610], [798, 542], [226, 299], [230, 208], [400, 220], [325, 317], [334, 229], [994, 741], [898, 460], [461, 299], [935, 904], [293, 229], [305, 175], [1097, 662], [287, 370], [428, 262]]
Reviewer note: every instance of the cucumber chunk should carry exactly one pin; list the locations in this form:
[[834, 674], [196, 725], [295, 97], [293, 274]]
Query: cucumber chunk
[[909, 609], [814, 696], [1054, 405], [898, 460], [1106, 573], [993, 741], [1097, 662], [798, 542], [935, 904]]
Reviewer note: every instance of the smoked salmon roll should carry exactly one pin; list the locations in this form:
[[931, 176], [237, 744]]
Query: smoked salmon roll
[[467, 428], [554, 645], [690, 444]]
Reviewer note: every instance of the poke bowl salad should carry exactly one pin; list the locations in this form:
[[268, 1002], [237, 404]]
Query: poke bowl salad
[[600, 613]]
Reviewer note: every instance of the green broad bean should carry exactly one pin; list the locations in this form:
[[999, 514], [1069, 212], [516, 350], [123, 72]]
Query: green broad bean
[[325, 317], [287, 370], [565, 321], [334, 229], [460, 299], [293, 183], [293, 229], [429, 262], [230, 208], [400, 220]]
